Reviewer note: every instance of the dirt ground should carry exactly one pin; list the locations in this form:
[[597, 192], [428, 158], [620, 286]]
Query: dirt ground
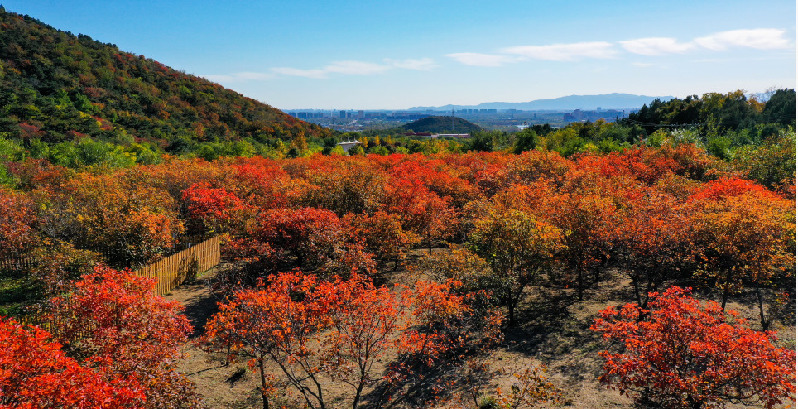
[[554, 331]]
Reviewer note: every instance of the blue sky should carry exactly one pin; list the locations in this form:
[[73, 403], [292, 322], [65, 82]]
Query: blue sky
[[400, 54]]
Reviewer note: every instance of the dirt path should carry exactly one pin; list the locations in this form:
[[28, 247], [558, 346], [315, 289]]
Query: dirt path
[[221, 385]]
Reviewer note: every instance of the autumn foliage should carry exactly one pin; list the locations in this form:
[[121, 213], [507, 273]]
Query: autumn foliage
[[313, 240], [339, 329], [17, 224], [113, 321], [680, 354], [36, 373]]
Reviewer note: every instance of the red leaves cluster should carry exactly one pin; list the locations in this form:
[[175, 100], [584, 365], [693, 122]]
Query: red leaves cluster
[[217, 208], [728, 187], [650, 213], [310, 329], [422, 211], [382, 235], [114, 320], [679, 354], [35, 373]]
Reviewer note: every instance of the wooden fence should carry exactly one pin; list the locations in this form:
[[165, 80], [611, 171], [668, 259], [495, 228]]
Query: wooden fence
[[169, 273], [17, 263], [173, 270]]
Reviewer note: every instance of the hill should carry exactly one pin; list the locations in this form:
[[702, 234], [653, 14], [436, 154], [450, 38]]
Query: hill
[[56, 86], [568, 103], [442, 124]]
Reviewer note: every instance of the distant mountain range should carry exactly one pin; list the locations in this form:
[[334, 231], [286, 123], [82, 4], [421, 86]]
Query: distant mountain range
[[571, 102]]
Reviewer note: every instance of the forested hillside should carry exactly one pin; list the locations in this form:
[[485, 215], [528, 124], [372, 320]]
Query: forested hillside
[[55, 86], [442, 124], [719, 112]]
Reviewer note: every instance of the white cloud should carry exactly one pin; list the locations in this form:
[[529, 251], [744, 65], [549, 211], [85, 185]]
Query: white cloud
[[217, 77], [238, 77], [256, 76], [553, 52], [351, 67], [760, 38], [296, 72], [656, 46], [422, 64], [483, 60], [564, 52]]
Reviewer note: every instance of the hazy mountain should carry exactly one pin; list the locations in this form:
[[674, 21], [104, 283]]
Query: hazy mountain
[[568, 103]]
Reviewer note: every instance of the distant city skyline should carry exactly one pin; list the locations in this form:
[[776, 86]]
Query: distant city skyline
[[392, 55]]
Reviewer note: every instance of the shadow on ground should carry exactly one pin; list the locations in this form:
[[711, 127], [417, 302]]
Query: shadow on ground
[[198, 300]]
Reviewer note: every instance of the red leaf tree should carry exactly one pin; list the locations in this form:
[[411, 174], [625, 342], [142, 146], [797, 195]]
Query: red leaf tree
[[679, 354], [311, 239], [422, 211], [382, 235], [116, 323], [218, 210], [315, 334], [313, 331], [35, 373]]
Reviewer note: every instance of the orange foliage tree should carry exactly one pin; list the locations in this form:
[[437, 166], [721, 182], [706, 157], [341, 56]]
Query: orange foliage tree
[[743, 237], [651, 240], [218, 210], [586, 211], [118, 215], [450, 328], [382, 235], [17, 224], [344, 185], [312, 239], [422, 211], [262, 183], [311, 330], [679, 354]]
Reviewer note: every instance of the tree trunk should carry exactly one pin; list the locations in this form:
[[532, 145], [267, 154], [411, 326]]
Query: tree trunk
[[356, 401], [761, 301], [263, 393], [510, 310], [636, 287]]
